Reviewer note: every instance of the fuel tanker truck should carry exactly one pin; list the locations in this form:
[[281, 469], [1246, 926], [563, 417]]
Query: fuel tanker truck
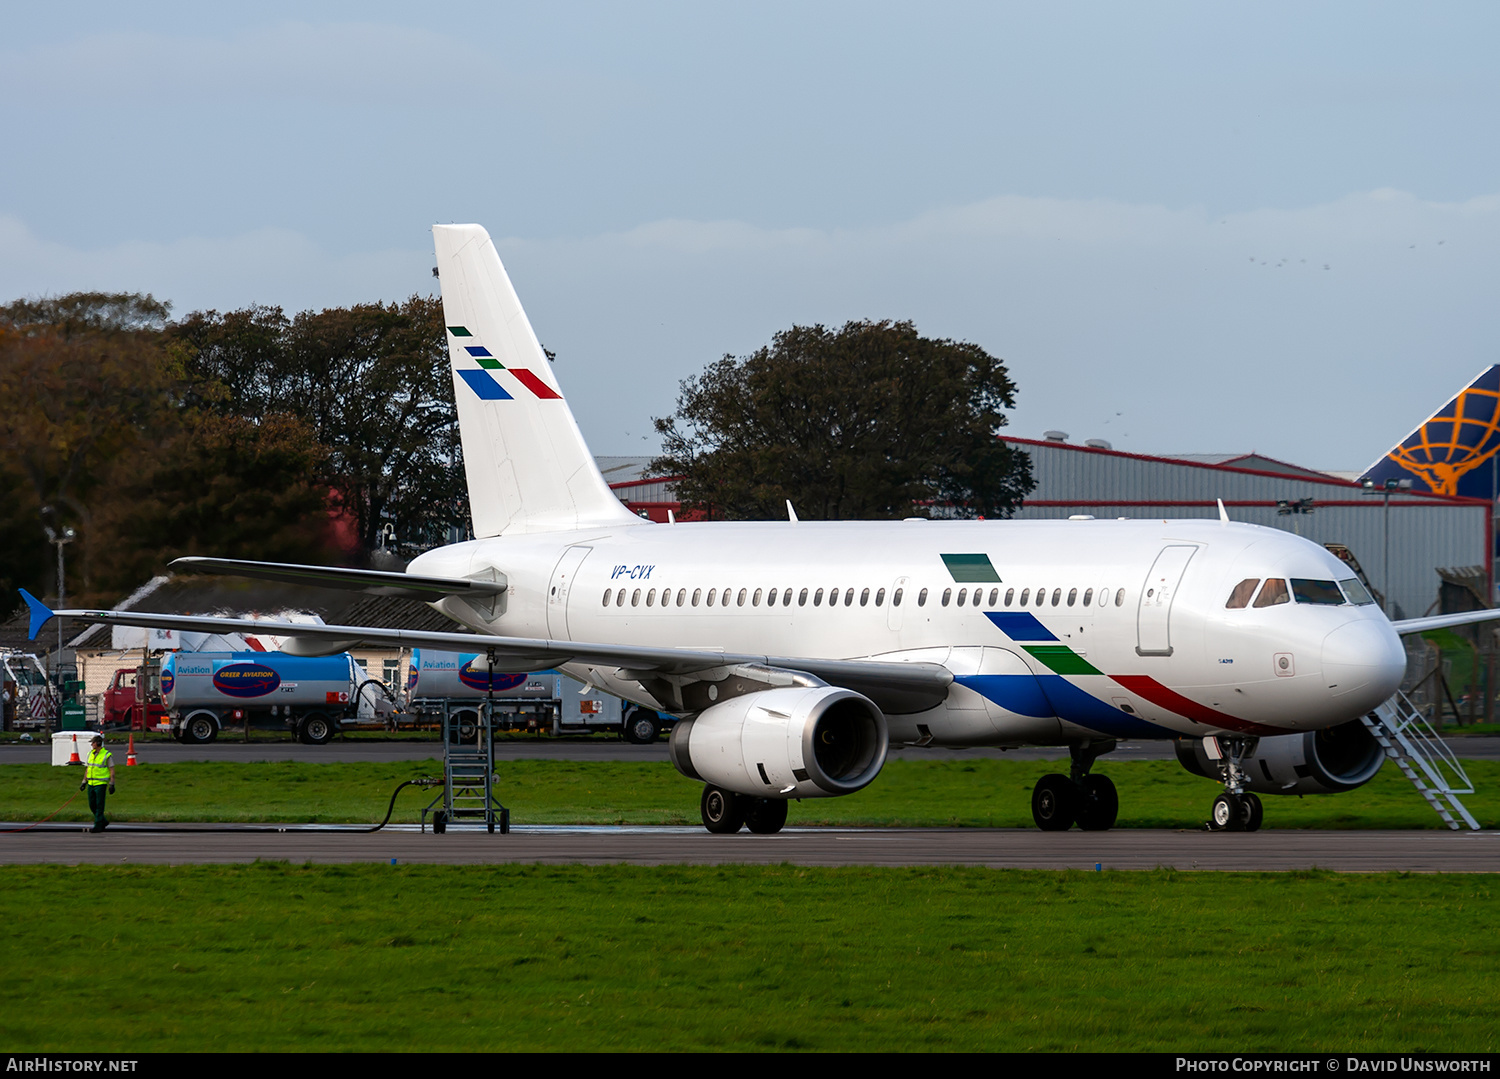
[[205, 692], [457, 686]]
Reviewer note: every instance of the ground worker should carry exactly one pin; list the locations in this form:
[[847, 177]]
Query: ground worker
[[99, 770]]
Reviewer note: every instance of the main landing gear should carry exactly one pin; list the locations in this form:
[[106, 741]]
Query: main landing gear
[[725, 812], [1060, 801], [1236, 810]]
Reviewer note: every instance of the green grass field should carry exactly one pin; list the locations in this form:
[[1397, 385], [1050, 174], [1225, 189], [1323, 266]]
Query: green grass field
[[431, 958], [979, 793]]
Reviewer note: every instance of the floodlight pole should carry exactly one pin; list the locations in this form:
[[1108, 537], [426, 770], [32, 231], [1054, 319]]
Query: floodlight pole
[[1384, 490], [59, 539]]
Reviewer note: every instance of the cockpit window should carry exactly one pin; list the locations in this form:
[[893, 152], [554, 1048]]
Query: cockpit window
[[1240, 597], [1324, 592], [1273, 592], [1356, 592]]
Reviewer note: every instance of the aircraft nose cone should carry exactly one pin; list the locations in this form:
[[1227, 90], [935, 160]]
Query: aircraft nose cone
[[1363, 659]]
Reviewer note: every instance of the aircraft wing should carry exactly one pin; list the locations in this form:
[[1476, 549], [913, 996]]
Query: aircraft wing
[[893, 686], [1445, 621], [375, 582]]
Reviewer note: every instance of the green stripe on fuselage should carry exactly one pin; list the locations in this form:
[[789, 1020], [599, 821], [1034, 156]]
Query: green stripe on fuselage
[[489, 364], [971, 568], [459, 331], [1060, 659]]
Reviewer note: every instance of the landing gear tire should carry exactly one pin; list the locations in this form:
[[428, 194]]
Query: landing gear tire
[[1228, 813], [640, 728], [439, 822], [1055, 803], [1254, 812], [766, 815], [723, 811], [1101, 804]]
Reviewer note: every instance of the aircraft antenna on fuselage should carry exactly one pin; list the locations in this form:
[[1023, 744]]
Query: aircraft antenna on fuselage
[[528, 467]]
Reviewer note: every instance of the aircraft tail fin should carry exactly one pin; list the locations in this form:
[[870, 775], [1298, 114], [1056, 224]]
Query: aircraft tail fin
[[528, 467], [1454, 451]]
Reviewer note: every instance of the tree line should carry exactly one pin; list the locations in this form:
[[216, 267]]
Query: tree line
[[246, 434], [314, 437]]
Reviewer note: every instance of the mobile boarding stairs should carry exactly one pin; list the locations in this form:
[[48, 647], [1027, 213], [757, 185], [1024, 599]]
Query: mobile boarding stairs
[[1423, 757]]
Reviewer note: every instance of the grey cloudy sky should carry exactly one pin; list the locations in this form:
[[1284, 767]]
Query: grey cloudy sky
[[1185, 226]]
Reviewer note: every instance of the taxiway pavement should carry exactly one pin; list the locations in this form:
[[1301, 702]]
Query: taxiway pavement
[[1120, 849]]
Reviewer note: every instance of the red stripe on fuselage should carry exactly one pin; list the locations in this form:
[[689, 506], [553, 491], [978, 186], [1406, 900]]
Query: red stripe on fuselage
[[1143, 685], [535, 385]]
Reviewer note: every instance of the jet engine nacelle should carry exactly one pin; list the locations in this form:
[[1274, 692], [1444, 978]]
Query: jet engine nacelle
[[792, 742], [1328, 761]]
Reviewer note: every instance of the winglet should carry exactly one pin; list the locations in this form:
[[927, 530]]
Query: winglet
[[40, 613], [1223, 513]]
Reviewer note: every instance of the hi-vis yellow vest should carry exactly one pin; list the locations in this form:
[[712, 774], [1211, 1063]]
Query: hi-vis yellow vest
[[97, 766]]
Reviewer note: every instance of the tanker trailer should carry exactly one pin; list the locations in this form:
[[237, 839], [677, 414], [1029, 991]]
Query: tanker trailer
[[309, 696], [456, 685]]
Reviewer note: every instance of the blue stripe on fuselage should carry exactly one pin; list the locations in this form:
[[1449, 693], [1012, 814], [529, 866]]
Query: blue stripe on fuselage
[[1083, 708], [1016, 693], [1020, 625]]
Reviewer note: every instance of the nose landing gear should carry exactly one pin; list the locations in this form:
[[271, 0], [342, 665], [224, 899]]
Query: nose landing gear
[[1236, 810]]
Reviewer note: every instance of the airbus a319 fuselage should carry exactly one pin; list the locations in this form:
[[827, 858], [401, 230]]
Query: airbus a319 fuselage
[[1055, 631]]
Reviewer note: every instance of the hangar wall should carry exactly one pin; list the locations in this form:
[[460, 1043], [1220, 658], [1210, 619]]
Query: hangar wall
[[1426, 531]]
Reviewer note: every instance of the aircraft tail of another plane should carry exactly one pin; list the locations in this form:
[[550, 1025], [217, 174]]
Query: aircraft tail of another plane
[[528, 467], [1454, 451]]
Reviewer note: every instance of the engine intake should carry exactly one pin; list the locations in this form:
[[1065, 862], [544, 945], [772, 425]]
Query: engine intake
[[794, 742], [1327, 761]]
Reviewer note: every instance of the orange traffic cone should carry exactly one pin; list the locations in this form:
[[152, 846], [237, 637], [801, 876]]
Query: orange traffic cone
[[74, 758], [130, 753]]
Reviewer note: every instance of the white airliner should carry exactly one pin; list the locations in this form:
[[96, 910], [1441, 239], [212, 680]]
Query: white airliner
[[794, 653]]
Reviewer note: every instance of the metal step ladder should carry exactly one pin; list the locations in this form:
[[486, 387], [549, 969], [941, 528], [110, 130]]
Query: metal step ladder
[[468, 778], [1410, 741]]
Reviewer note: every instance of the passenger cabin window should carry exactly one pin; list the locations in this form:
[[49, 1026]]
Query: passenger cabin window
[[1325, 593], [1088, 595], [697, 595], [849, 598], [818, 598], [740, 602], [1272, 592], [947, 596], [879, 597], [1119, 597], [1240, 597], [754, 600], [802, 598], [922, 598], [681, 596], [712, 592], [635, 598], [1072, 596], [1025, 595], [1056, 596], [896, 597], [650, 597], [620, 599], [607, 592], [864, 597], [1010, 594]]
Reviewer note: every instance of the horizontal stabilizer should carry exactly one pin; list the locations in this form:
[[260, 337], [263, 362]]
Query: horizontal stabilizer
[[375, 582]]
